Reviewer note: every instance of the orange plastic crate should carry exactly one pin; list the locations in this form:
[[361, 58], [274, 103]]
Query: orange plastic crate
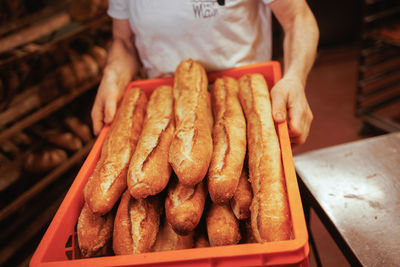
[[59, 246]]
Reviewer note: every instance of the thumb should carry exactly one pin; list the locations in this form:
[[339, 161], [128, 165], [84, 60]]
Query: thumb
[[279, 103], [109, 109]]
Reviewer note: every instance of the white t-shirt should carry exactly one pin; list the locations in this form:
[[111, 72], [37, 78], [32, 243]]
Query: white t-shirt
[[218, 34]]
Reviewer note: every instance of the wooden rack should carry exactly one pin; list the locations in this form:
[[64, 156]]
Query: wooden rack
[[63, 35], [378, 87], [26, 211], [38, 222], [48, 109]]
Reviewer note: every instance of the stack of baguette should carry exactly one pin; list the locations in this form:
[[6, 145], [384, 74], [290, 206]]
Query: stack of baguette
[[62, 140], [162, 157], [82, 68]]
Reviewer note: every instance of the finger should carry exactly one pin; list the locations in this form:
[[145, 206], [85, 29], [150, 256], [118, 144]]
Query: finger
[[299, 125], [278, 102], [110, 109], [298, 140], [295, 143], [295, 123], [97, 117]]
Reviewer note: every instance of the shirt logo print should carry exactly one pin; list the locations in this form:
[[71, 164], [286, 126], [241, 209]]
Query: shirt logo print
[[205, 9]]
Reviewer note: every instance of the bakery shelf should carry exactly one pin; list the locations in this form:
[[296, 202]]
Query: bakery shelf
[[378, 85], [39, 47], [31, 99], [37, 97], [16, 24], [381, 122], [22, 213], [11, 172], [388, 34], [381, 15], [48, 109], [45, 181], [377, 58], [30, 228], [371, 2]]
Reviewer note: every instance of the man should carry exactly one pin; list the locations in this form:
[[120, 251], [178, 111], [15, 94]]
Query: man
[[220, 35]]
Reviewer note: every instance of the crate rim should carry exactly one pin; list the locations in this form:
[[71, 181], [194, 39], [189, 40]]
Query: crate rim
[[297, 245]]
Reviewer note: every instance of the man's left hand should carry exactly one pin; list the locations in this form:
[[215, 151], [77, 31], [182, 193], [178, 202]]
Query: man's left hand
[[289, 102]]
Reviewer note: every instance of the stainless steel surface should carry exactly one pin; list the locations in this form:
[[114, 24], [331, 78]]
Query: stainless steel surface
[[358, 187]]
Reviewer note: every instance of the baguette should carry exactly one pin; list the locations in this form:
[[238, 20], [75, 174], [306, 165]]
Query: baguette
[[222, 226], [92, 67], [79, 128], [66, 77], [108, 180], [201, 242], [34, 31], [149, 170], [191, 147], [184, 206], [229, 137], [168, 239], [85, 68], [94, 233], [65, 140], [44, 160], [136, 225], [269, 209], [100, 55], [241, 200], [247, 232]]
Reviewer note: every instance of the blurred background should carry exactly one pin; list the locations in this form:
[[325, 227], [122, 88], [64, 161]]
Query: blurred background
[[51, 58]]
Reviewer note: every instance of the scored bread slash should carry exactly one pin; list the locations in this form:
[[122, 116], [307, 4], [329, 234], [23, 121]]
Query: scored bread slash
[[108, 180], [149, 169], [168, 239], [270, 219], [184, 206], [222, 225], [229, 140], [136, 225], [191, 147], [241, 200], [94, 233]]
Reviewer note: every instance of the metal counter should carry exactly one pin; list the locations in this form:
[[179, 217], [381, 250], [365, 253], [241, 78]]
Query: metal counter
[[355, 189]]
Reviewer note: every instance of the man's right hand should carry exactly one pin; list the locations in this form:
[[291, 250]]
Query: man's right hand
[[122, 64], [105, 104]]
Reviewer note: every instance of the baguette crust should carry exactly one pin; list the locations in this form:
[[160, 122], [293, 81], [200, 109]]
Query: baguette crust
[[229, 137], [94, 232], [184, 206], [91, 65], [45, 160], [222, 226], [65, 140], [201, 242], [136, 225], [149, 169], [78, 128], [168, 239], [191, 147], [66, 76], [108, 180], [247, 232], [241, 200], [99, 54], [269, 209]]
